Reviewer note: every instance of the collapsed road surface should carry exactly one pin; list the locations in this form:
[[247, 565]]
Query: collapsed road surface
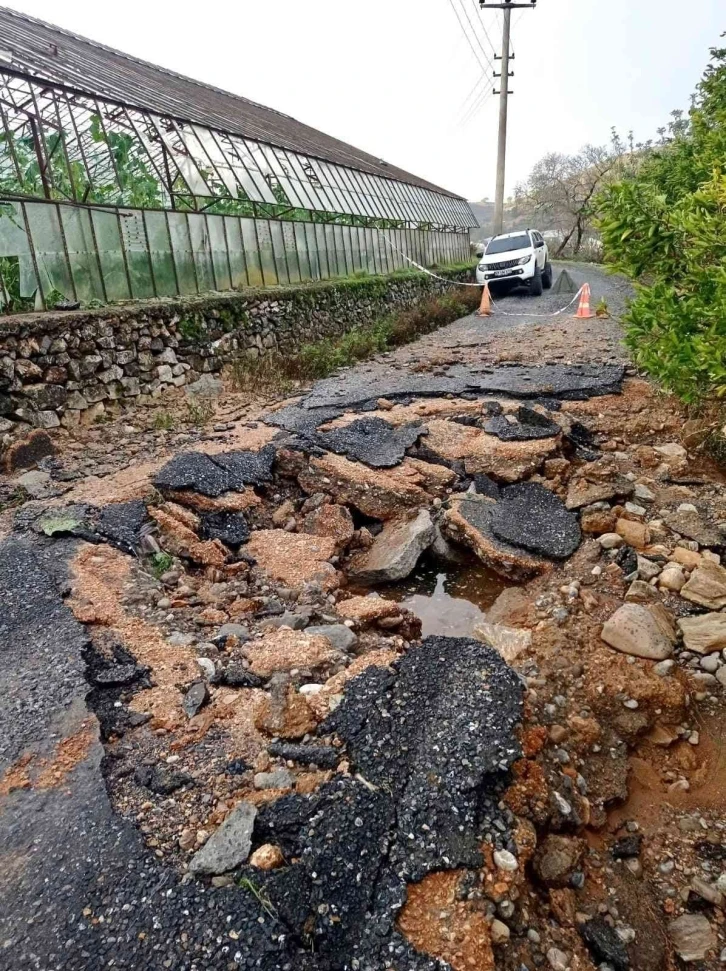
[[221, 748]]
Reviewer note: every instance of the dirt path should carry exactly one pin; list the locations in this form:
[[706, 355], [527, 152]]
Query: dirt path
[[222, 748]]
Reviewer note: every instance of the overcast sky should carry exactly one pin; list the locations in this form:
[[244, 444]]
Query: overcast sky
[[393, 76]]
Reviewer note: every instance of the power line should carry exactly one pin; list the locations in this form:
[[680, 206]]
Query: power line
[[468, 38], [476, 35], [474, 110], [483, 27], [465, 102]]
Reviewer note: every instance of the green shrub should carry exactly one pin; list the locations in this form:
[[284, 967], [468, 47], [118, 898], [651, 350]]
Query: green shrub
[[665, 227]]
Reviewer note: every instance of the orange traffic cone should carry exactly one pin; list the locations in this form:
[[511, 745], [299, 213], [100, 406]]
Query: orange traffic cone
[[583, 310], [485, 308]]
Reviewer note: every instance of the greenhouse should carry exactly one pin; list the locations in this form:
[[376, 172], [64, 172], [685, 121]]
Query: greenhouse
[[120, 180]]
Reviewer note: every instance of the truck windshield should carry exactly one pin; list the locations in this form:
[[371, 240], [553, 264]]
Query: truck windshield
[[507, 244]]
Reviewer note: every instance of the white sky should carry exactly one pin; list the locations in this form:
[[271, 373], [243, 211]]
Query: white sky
[[392, 76]]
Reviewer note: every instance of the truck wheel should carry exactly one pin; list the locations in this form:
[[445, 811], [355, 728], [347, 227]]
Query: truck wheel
[[535, 284], [547, 276]]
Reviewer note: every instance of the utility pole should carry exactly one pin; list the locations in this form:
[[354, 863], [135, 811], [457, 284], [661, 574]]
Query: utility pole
[[504, 93]]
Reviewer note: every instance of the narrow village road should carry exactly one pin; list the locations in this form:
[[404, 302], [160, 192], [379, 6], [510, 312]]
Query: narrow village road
[[220, 748]]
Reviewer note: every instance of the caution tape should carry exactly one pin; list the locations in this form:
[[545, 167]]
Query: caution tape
[[461, 283], [556, 313], [453, 283]]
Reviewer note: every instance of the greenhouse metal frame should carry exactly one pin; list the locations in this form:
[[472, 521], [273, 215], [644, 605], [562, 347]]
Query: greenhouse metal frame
[[120, 180]]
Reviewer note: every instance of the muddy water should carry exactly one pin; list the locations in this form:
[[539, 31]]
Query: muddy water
[[449, 601]]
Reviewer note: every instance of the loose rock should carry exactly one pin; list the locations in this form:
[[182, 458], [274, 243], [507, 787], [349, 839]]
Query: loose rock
[[229, 846], [641, 631]]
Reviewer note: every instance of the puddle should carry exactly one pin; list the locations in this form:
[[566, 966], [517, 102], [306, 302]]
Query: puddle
[[449, 601]]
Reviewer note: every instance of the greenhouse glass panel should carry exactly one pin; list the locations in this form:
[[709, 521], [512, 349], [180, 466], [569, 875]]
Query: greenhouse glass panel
[[162, 258], [332, 253], [218, 245], [252, 252], [183, 255], [82, 254], [50, 255], [289, 243], [340, 254], [236, 251], [110, 254], [301, 245], [318, 266], [202, 251], [267, 256], [350, 267], [14, 243], [278, 249]]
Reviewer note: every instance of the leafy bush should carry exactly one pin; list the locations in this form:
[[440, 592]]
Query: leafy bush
[[665, 227]]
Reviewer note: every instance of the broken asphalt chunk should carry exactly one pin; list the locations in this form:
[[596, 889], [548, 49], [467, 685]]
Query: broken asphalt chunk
[[432, 733], [195, 471], [122, 524], [469, 522], [247, 468], [212, 475], [373, 441], [229, 527], [604, 944], [532, 517]]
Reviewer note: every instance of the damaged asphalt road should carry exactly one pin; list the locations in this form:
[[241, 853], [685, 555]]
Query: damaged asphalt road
[[221, 750], [428, 792], [429, 740], [566, 382], [94, 891]]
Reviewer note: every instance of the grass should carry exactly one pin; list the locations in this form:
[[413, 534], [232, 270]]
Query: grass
[[260, 895], [164, 422], [277, 372], [199, 411], [161, 563]]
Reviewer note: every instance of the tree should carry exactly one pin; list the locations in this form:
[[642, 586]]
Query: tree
[[561, 188], [664, 225]]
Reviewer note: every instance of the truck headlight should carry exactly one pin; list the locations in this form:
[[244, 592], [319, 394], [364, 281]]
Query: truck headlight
[[524, 260]]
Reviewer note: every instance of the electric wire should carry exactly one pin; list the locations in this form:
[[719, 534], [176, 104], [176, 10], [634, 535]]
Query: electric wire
[[483, 26], [475, 109], [476, 35], [468, 38]]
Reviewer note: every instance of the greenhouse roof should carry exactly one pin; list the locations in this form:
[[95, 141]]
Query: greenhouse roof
[[34, 48]]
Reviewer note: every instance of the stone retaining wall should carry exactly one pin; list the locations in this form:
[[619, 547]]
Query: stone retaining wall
[[60, 367]]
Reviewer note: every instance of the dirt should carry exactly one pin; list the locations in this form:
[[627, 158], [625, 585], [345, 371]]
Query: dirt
[[608, 747]]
